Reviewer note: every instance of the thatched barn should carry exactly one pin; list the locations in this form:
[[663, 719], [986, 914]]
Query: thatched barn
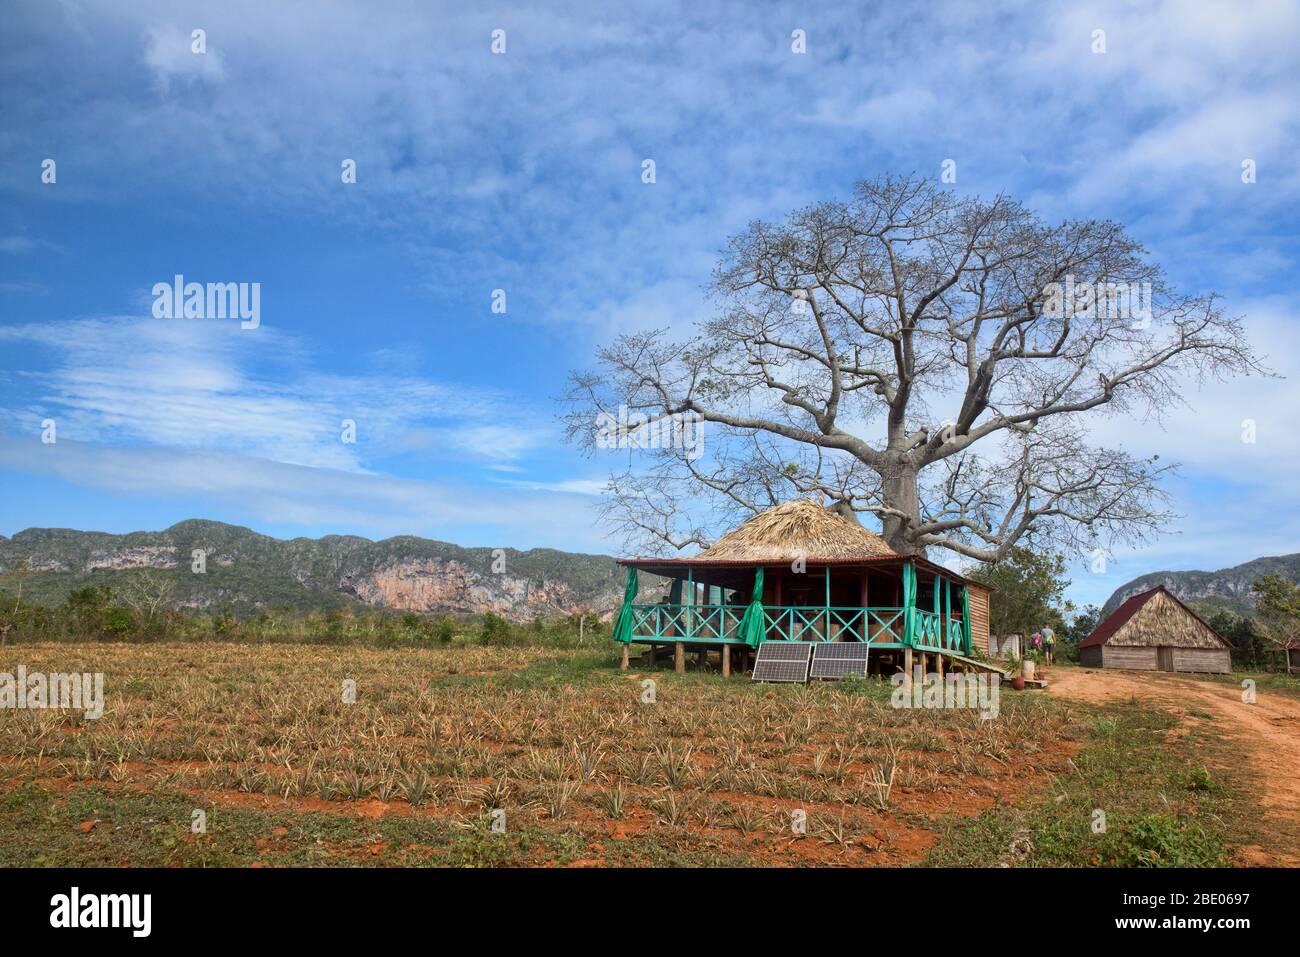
[[802, 572], [1154, 631]]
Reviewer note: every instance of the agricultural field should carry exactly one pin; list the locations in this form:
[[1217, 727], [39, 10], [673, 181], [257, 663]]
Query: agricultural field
[[286, 772]]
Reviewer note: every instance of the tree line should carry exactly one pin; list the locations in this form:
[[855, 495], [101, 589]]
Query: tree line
[[101, 613]]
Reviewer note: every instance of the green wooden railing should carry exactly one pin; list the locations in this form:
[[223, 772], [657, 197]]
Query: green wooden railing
[[883, 627], [931, 635], [721, 623], [813, 623], [889, 627], [687, 622]]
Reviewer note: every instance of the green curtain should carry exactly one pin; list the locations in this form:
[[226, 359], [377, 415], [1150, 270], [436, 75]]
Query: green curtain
[[945, 625], [909, 602], [965, 618], [752, 625], [623, 626]]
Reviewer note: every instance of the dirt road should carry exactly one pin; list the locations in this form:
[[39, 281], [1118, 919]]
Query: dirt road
[[1266, 734]]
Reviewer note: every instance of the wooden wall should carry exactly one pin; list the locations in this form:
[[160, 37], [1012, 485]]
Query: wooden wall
[[1214, 660], [1140, 659], [979, 614], [1164, 658]]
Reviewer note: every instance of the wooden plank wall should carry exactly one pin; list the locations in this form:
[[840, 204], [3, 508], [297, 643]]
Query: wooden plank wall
[[1143, 659], [1213, 660], [979, 613]]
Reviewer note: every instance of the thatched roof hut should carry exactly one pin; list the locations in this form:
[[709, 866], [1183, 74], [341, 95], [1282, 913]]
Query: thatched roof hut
[[797, 529], [1155, 631], [802, 572]]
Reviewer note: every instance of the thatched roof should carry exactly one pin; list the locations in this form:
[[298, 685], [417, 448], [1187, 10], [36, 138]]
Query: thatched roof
[[1152, 618], [796, 529]]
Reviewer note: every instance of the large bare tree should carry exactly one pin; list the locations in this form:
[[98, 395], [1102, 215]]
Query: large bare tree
[[930, 359]]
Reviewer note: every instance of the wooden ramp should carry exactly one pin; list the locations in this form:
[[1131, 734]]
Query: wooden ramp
[[985, 666], [993, 669]]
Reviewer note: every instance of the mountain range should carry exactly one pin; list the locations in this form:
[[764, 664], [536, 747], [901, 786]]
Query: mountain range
[[245, 571], [1227, 588]]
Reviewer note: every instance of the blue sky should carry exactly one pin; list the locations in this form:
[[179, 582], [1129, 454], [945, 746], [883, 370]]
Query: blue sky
[[522, 172]]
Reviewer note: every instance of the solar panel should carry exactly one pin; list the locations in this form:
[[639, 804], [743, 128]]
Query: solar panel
[[783, 661], [835, 659]]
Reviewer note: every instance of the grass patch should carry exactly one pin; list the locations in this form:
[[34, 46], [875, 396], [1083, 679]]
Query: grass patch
[[1137, 797]]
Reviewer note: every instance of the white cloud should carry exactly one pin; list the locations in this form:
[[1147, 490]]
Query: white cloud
[[576, 486], [169, 53], [281, 493], [205, 384]]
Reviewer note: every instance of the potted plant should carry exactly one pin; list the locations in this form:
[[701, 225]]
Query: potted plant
[[1033, 654], [1014, 669]]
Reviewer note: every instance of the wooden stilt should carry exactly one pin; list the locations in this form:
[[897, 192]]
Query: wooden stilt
[[726, 661], [623, 664], [701, 659], [679, 657], [650, 655], [938, 665], [907, 668]]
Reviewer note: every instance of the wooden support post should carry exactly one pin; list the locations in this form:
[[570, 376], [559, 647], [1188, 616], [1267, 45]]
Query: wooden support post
[[865, 627], [679, 657], [907, 669], [726, 661], [701, 659], [938, 666], [650, 655], [623, 664]]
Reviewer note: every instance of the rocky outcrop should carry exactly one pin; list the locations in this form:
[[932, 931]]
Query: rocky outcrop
[[449, 586], [140, 556]]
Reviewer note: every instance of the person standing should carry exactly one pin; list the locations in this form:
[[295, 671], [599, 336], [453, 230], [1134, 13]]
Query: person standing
[[1049, 643]]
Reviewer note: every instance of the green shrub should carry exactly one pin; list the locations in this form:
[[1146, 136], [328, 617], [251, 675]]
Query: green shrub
[[441, 629], [1198, 779], [1160, 840], [495, 630], [118, 624]]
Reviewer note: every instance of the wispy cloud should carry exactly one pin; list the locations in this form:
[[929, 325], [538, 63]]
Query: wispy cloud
[[201, 384], [175, 54], [317, 498]]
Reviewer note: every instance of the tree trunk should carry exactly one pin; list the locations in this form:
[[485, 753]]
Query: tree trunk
[[899, 488]]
